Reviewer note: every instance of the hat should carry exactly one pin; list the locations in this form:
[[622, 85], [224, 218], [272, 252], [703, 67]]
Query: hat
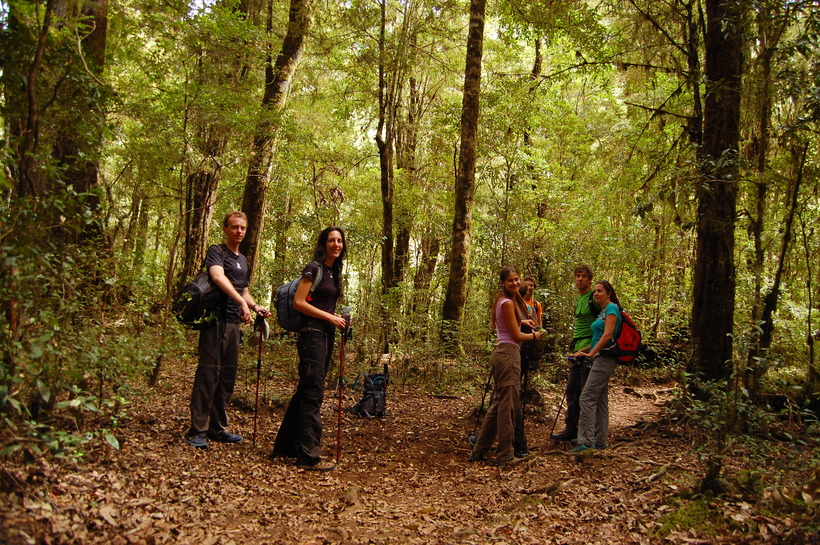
[[261, 331]]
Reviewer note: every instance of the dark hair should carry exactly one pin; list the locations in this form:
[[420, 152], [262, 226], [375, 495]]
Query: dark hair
[[610, 290], [532, 285], [234, 214], [584, 269], [520, 306], [320, 254]]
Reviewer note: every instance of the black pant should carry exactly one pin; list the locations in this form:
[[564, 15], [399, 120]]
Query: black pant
[[300, 435], [578, 373], [215, 377], [528, 364]]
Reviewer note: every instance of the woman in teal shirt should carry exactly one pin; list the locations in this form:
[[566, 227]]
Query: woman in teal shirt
[[593, 424]]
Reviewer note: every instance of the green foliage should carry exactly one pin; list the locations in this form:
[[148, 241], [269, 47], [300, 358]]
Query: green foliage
[[60, 334]]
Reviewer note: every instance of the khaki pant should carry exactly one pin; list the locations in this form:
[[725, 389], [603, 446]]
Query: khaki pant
[[500, 420]]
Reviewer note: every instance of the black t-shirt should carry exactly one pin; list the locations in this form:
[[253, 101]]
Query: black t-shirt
[[236, 271], [325, 295]]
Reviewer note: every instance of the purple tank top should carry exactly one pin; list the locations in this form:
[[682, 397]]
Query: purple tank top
[[504, 334]]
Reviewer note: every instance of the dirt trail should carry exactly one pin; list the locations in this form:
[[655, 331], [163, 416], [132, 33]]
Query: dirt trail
[[402, 479]]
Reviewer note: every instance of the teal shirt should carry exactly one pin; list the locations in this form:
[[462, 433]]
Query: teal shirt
[[599, 324]]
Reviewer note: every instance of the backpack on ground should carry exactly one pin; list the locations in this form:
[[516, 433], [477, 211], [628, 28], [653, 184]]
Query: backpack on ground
[[195, 305], [374, 399], [626, 342], [289, 318]]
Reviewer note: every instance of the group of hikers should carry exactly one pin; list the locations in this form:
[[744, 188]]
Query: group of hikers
[[515, 317]]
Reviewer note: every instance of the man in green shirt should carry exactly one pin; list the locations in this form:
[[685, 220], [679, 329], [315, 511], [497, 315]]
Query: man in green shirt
[[586, 310]]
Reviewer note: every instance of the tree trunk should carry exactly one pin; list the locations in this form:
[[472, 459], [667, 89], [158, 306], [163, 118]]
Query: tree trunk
[[23, 107], [278, 77], [756, 350], [770, 35], [79, 139], [200, 195], [406, 144], [456, 292], [714, 275], [812, 376]]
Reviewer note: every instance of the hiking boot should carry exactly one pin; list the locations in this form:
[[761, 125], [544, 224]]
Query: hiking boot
[[507, 463], [521, 453], [197, 440], [579, 449], [565, 435], [319, 466], [476, 456], [225, 436], [599, 447]]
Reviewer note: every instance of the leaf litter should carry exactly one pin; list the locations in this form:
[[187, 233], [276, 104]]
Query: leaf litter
[[403, 478]]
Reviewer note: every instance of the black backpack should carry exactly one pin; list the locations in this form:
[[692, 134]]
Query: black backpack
[[195, 305], [289, 318], [374, 400]]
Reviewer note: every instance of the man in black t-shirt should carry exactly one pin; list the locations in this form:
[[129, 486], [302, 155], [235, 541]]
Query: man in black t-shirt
[[219, 342]]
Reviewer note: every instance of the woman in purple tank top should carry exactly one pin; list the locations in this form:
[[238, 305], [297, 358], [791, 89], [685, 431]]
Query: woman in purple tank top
[[509, 312]]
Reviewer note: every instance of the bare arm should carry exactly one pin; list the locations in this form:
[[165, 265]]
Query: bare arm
[[508, 312], [300, 303]]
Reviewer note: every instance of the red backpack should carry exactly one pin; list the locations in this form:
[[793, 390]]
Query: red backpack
[[624, 345]]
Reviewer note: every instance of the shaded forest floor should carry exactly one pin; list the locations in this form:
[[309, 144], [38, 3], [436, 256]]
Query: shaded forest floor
[[401, 479]]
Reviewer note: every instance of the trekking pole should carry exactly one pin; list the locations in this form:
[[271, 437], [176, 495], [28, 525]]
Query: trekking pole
[[559, 407], [559, 412], [260, 329], [340, 384], [472, 438]]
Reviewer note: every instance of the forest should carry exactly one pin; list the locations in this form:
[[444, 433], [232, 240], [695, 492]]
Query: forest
[[670, 145]]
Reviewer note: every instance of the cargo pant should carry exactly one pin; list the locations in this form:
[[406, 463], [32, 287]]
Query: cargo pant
[[300, 434], [500, 420]]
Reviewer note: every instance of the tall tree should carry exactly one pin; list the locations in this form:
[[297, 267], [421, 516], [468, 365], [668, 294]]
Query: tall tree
[[388, 83], [772, 22], [713, 305], [55, 105], [456, 293], [221, 64], [714, 275], [278, 78]]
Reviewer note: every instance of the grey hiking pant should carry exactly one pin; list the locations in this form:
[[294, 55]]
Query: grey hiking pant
[[593, 424]]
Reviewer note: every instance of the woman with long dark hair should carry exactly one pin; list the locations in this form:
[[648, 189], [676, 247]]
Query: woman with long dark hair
[[300, 435], [593, 424], [509, 312]]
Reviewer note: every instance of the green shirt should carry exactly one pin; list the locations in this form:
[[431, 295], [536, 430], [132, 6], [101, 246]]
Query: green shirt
[[581, 333]]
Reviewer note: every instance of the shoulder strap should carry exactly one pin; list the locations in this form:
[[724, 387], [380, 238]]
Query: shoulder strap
[[205, 261], [594, 307], [618, 327], [317, 278]]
